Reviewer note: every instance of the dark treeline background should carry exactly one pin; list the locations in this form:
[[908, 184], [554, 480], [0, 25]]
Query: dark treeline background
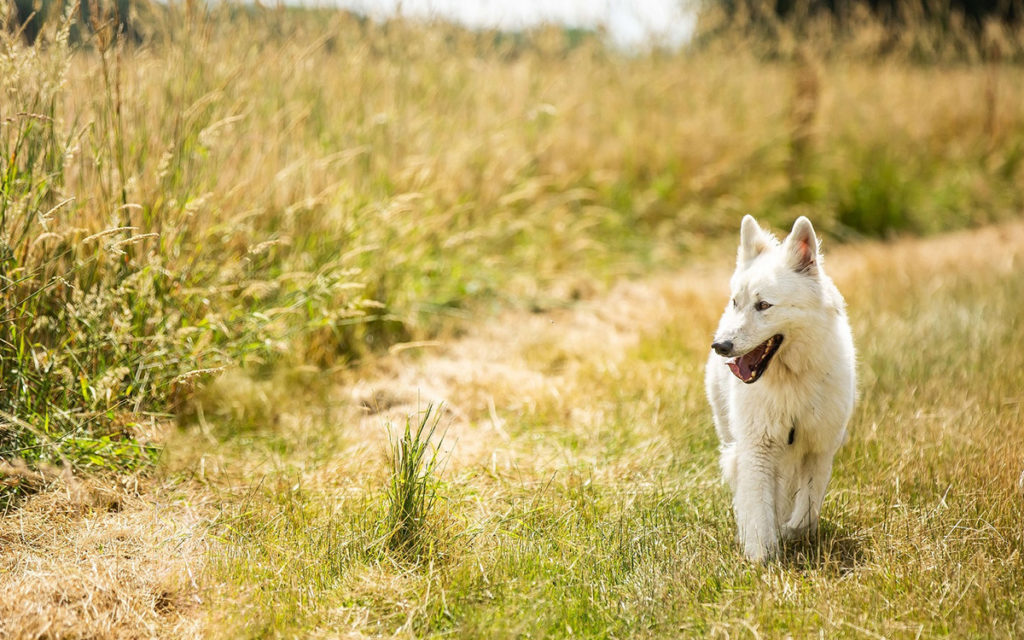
[[28, 16], [974, 13]]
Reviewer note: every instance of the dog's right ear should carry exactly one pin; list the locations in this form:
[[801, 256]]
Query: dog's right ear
[[753, 241]]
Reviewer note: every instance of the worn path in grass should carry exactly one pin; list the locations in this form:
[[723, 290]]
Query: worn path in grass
[[587, 409]]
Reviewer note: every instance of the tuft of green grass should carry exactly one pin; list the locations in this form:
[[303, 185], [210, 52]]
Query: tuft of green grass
[[414, 463]]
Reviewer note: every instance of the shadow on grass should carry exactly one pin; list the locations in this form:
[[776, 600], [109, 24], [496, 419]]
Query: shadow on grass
[[833, 548]]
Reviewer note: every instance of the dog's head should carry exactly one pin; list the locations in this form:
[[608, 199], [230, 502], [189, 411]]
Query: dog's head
[[776, 290]]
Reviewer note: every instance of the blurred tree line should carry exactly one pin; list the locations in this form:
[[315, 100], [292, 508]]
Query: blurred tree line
[[925, 31], [29, 16], [973, 13]]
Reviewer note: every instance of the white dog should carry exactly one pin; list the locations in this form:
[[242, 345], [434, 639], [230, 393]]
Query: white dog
[[781, 383]]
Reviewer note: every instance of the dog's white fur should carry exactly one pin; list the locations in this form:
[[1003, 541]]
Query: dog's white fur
[[809, 387]]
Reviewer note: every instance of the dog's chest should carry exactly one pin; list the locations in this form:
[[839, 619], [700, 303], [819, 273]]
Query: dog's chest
[[802, 415]]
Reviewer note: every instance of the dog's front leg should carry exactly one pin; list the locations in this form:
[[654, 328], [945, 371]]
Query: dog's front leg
[[816, 471], [754, 501]]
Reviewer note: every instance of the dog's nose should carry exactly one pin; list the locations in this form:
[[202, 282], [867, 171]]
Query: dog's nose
[[723, 348]]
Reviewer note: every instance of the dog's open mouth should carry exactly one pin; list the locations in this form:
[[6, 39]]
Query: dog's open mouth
[[753, 363]]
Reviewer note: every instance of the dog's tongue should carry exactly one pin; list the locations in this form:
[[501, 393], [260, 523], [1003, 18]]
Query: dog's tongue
[[743, 366], [740, 367]]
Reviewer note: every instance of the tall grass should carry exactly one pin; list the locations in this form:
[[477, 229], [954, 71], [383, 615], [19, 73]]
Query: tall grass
[[75, 359], [255, 188]]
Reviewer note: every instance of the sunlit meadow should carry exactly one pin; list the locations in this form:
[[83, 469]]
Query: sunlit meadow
[[215, 228]]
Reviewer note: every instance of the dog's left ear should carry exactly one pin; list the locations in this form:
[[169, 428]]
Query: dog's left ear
[[802, 247]]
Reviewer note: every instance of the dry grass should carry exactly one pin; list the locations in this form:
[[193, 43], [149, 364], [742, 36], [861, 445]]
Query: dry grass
[[101, 560]]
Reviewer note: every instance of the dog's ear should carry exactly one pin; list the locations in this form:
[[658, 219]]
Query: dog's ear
[[801, 247], [753, 241]]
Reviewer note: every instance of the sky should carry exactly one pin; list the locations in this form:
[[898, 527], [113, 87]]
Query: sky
[[630, 24]]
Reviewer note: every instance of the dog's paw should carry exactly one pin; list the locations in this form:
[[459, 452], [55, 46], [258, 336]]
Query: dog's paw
[[798, 527], [758, 534], [761, 548], [799, 532], [757, 552]]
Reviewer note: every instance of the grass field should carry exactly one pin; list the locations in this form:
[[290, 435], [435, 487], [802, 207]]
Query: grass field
[[238, 257]]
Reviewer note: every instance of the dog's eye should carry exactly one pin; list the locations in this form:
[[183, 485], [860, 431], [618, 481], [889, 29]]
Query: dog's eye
[[735, 304], [762, 305]]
